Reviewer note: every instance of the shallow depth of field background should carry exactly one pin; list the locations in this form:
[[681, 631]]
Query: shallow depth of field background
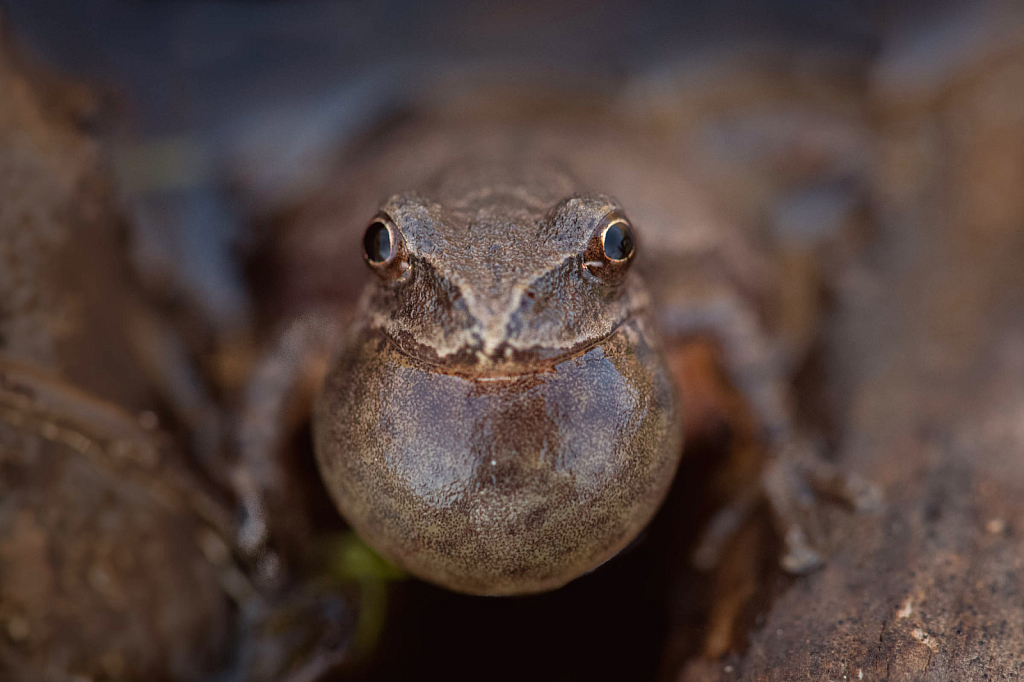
[[218, 114]]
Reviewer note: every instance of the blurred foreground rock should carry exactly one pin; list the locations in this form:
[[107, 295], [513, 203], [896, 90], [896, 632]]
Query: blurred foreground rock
[[109, 549], [108, 572]]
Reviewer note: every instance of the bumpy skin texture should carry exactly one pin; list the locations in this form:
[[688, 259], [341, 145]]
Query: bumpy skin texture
[[503, 420]]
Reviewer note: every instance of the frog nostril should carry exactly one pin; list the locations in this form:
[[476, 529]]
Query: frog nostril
[[530, 294]]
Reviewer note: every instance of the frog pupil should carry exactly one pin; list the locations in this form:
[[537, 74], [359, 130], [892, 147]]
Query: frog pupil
[[377, 242], [618, 241]]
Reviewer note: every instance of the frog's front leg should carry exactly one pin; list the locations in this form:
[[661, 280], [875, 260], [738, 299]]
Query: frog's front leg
[[794, 470], [276, 403]]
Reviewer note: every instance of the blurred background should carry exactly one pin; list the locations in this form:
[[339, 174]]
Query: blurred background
[[264, 93], [904, 120]]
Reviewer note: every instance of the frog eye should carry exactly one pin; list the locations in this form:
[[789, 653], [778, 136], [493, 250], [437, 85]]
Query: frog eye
[[611, 249], [617, 239], [383, 248]]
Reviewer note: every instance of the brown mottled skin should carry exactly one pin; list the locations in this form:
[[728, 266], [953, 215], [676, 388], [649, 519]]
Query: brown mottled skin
[[502, 421]]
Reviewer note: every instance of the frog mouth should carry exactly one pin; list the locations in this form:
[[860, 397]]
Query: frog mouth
[[507, 362]]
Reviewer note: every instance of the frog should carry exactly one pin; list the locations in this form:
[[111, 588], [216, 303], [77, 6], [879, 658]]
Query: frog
[[504, 420], [494, 412]]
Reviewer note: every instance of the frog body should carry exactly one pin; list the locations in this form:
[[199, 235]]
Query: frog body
[[503, 419], [499, 417]]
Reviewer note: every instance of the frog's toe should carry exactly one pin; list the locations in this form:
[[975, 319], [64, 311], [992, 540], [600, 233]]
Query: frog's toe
[[868, 497], [792, 482], [252, 533], [799, 556], [793, 508], [861, 494]]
